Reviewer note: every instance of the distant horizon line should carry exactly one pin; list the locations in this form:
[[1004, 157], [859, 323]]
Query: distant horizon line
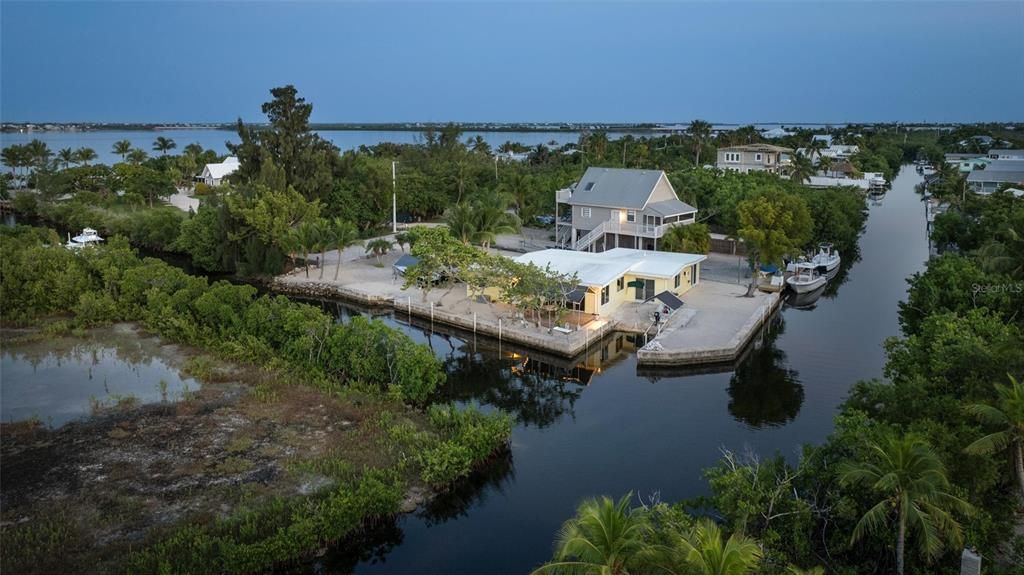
[[552, 125]]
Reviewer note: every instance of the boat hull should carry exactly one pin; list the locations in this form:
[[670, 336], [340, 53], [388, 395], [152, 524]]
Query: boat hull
[[805, 286]]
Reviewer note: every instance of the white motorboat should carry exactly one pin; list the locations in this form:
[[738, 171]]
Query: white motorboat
[[827, 258], [88, 237], [805, 279]]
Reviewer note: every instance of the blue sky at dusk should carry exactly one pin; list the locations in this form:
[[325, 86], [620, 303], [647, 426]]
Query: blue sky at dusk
[[599, 62]]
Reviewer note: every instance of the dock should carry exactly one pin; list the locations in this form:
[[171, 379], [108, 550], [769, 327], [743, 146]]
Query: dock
[[714, 326]]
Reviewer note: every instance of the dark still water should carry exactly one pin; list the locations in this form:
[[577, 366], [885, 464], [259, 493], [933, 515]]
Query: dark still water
[[602, 426]]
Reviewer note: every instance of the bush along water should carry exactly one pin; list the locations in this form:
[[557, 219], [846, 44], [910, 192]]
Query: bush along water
[[433, 445]]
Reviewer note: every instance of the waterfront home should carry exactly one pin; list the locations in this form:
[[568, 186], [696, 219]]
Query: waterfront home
[[1006, 154], [214, 174], [776, 133], [834, 151], [995, 174], [613, 277], [967, 162], [754, 158], [614, 207]]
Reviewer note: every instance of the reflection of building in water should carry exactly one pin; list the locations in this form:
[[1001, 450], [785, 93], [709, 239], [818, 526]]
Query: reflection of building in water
[[582, 369]]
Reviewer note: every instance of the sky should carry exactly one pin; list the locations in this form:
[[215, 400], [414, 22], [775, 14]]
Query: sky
[[726, 62]]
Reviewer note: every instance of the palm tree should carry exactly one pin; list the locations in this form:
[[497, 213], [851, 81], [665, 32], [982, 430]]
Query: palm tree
[[480, 146], [39, 153], [699, 131], [1008, 414], [459, 219], [815, 146], [801, 169], [1005, 255], [323, 234], [137, 156], [704, 550], [66, 156], [379, 247], [491, 219], [825, 164], [163, 144], [403, 239], [911, 481], [85, 155], [342, 234], [122, 147], [605, 537], [307, 238]]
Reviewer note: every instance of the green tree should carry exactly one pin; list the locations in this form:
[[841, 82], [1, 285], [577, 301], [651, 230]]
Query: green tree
[[137, 156], [163, 145], [1008, 414], [379, 247], [85, 155], [307, 238], [801, 168], [705, 550], [604, 538], [825, 164], [773, 224], [121, 148], [910, 482], [690, 238], [66, 156], [342, 235], [699, 131]]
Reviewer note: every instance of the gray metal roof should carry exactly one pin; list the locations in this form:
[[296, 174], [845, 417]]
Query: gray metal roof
[[671, 207], [615, 188], [999, 171]]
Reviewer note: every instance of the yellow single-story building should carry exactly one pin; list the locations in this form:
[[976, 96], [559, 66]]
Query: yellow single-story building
[[610, 278]]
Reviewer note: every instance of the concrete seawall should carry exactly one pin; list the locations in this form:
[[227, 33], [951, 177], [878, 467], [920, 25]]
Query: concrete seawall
[[512, 330], [656, 354]]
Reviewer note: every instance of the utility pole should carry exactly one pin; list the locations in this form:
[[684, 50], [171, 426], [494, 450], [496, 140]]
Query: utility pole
[[394, 197]]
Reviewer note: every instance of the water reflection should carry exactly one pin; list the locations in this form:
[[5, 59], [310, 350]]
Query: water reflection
[[60, 380], [764, 392], [489, 481]]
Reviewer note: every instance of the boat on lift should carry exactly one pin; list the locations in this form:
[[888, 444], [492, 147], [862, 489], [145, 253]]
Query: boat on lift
[[827, 258], [88, 237]]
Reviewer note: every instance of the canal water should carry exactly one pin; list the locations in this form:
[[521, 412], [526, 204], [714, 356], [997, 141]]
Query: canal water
[[605, 426]]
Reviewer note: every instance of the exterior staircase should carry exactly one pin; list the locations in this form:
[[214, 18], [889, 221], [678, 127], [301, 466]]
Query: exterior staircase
[[586, 241]]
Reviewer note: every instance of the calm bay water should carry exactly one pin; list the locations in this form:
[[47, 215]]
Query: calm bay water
[[581, 432], [103, 141]]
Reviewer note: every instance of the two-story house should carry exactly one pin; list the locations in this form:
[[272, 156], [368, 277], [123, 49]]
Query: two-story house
[[754, 158], [612, 207]]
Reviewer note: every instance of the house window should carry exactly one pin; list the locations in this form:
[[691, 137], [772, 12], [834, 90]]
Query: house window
[[604, 295], [620, 284], [631, 216], [679, 279], [757, 157], [732, 157], [585, 212]]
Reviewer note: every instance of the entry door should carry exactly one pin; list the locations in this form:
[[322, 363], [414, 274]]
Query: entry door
[[646, 291]]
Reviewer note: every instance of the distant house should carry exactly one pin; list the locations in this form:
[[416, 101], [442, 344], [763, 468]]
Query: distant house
[[822, 138], [214, 174], [834, 151], [995, 174], [754, 158], [1006, 154], [614, 207], [619, 275], [776, 133]]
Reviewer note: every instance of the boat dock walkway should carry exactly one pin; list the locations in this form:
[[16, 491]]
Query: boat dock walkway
[[725, 320]]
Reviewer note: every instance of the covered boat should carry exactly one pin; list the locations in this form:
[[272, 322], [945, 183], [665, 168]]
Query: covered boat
[[88, 237]]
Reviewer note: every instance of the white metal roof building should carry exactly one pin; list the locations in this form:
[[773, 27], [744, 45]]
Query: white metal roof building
[[618, 275], [214, 174]]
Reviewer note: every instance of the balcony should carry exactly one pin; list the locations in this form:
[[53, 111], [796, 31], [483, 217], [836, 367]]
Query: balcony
[[562, 196]]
